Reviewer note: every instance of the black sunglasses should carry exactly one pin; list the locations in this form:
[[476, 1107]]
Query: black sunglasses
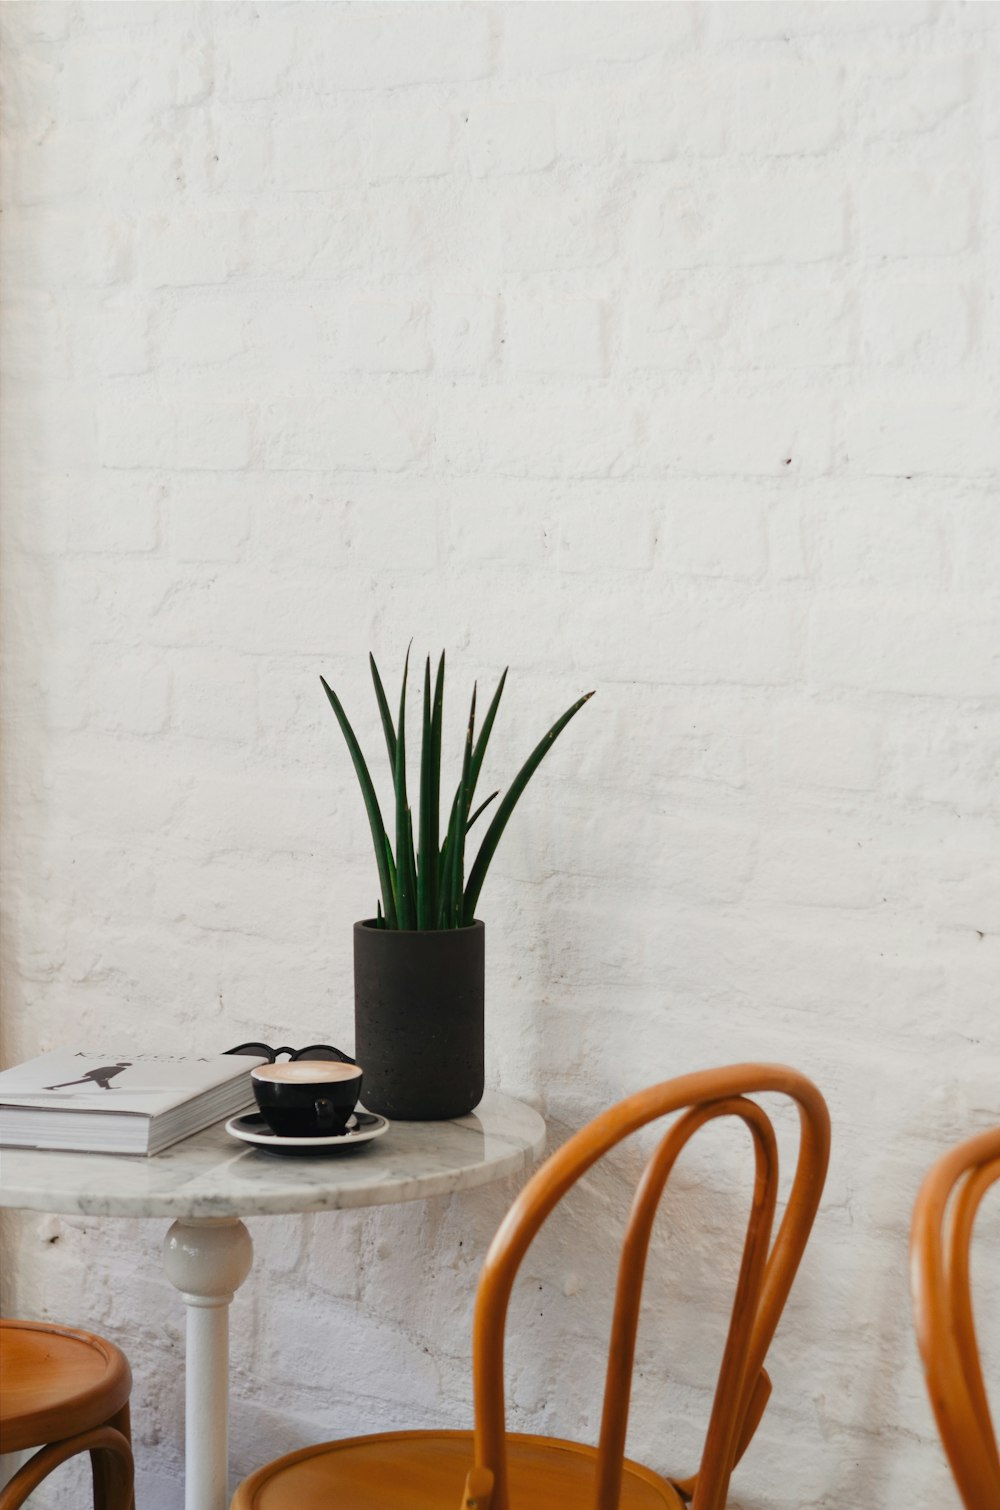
[[314, 1051]]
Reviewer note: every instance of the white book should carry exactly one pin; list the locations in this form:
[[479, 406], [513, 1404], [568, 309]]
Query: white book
[[119, 1102]]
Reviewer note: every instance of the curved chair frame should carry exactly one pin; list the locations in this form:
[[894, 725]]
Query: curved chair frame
[[765, 1278], [111, 1469], [943, 1221], [606, 1479]]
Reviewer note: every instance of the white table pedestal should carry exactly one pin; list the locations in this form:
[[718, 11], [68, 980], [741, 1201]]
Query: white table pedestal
[[207, 1258]]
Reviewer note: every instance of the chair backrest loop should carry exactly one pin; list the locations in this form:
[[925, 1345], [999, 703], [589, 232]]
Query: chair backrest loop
[[628, 1295]]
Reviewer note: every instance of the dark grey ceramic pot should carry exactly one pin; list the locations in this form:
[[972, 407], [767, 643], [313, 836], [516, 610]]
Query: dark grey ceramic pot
[[418, 1020]]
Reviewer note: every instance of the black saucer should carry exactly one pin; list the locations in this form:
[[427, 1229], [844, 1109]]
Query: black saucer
[[252, 1128]]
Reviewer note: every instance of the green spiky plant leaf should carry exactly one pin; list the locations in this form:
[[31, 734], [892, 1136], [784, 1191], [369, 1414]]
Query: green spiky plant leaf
[[424, 886]]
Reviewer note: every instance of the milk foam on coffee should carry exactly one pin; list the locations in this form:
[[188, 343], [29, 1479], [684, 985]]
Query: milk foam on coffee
[[306, 1071]]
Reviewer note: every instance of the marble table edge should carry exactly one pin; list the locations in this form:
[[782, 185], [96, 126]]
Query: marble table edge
[[186, 1204]]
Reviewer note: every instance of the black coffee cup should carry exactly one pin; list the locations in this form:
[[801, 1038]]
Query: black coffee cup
[[307, 1098]]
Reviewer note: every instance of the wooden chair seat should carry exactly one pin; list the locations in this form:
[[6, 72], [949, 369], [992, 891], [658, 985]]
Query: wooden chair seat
[[55, 1382], [65, 1392], [425, 1470]]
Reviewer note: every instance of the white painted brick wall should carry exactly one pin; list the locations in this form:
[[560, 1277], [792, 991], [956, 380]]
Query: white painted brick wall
[[650, 347]]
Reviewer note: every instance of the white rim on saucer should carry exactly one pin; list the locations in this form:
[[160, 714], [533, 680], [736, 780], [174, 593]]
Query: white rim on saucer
[[269, 1139]]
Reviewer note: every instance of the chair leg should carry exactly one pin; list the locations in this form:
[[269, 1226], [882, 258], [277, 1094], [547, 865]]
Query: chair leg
[[100, 1466], [103, 1442], [112, 1473]]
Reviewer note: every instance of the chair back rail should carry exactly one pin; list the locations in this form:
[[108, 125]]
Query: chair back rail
[[943, 1221], [765, 1276]]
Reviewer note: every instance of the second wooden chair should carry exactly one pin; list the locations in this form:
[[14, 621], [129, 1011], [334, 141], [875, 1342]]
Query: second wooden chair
[[64, 1392], [425, 1470], [943, 1219]]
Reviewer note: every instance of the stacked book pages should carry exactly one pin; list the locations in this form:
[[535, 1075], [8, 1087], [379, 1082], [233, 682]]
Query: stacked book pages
[[119, 1103]]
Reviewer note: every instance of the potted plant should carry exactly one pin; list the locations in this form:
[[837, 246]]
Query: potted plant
[[419, 963]]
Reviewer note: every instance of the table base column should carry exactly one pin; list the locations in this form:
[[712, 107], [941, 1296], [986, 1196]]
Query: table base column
[[207, 1258]]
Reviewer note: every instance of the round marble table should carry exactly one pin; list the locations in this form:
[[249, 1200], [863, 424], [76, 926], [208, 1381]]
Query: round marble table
[[208, 1182]]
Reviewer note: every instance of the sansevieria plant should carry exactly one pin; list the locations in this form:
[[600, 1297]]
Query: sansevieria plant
[[423, 879]]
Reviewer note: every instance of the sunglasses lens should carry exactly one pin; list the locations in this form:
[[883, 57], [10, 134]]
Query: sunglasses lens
[[324, 1051], [259, 1050]]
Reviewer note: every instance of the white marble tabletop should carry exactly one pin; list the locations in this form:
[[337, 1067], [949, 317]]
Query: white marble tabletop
[[212, 1175]]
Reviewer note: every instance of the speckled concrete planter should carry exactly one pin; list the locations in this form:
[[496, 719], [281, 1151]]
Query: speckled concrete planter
[[418, 1020]]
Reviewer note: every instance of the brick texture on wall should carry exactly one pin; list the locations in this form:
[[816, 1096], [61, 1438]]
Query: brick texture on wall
[[644, 347]]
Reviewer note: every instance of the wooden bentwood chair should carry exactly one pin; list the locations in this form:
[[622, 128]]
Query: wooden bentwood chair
[[943, 1219], [425, 1470], [65, 1392]]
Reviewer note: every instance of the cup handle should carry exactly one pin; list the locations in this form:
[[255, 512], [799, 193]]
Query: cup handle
[[326, 1113]]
